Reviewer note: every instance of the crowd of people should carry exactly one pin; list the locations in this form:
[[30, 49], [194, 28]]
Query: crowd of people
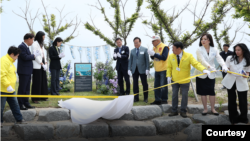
[[32, 61], [169, 68], [175, 67]]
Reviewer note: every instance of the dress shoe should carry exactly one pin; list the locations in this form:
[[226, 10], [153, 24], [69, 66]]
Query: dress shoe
[[173, 114], [215, 113], [135, 100], [156, 103], [29, 106], [22, 107], [146, 100], [21, 122], [57, 93], [184, 115], [164, 102], [204, 114]]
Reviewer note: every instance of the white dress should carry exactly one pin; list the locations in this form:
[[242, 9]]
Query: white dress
[[84, 111]]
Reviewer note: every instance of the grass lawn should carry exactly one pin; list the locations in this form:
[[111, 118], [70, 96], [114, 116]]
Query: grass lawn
[[53, 102]]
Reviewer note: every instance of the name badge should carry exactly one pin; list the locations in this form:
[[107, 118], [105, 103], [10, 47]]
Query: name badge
[[178, 69], [141, 52]]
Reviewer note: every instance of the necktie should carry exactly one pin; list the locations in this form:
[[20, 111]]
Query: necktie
[[120, 48], [137, 51], [178, 59]]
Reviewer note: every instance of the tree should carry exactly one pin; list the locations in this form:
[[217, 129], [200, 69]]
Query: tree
[[1, 7], [242, 10], [121, 28], [165, 21], [224, 36], [49, 24]]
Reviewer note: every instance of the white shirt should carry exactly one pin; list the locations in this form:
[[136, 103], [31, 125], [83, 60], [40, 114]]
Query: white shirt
[[137, 49], [180, 55], [230, 79], [120, 48], [26, 44]]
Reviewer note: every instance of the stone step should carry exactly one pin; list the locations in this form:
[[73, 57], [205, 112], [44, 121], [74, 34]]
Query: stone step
[[132, 128], [169, 125], [212, 119]]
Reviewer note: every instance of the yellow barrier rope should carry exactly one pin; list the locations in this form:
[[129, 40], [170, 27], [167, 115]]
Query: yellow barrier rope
[[73, 96]]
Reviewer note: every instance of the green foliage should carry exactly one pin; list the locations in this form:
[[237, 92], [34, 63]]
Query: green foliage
[[1, 8], [166, 22], [242, 10], [121, 28]]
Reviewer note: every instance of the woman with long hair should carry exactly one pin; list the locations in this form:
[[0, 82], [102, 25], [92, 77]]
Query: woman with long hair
[[55, 65], [39, 78], [239, 62], [206, 55]]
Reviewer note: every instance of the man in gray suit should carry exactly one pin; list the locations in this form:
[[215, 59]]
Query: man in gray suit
[[139, 66]]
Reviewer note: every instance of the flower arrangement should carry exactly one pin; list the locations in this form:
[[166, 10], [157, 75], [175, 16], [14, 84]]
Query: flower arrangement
[[65, 79], [106, 81]]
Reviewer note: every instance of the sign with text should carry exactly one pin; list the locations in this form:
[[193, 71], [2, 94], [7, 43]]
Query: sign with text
[[83, 77]]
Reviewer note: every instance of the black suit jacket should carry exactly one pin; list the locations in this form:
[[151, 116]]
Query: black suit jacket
[[122, 63], [224, 56], [54, 58], [25, 64]]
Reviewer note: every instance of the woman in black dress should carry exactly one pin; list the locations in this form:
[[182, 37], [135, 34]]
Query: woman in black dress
[[39, 78]]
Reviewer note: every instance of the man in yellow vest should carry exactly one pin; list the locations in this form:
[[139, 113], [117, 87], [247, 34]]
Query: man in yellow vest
[[8, 83], [160, 55], [179, 68]]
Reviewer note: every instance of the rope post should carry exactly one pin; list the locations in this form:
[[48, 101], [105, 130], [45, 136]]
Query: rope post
[[194, 90]]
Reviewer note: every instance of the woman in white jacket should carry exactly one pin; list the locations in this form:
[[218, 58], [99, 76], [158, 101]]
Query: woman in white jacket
[[39, 78], [239, 62], [206, 55]]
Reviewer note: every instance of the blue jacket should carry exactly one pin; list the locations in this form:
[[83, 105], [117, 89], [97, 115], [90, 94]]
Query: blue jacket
[[25, 64]]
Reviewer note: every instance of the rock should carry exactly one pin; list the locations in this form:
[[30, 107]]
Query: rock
[[28, 115], [223, 107], [34, 131], [5, 130], [146, 112], [212, 119], [196, 109], [54, 115], [248, 114], [66, 130], [96, 129], [166, 108], [128, 116], [194, 132], [132, 128], [169, 125]]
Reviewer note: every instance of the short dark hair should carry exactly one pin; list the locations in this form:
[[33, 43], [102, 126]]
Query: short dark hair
[[178, 45], [209, 36], [39, 37], [14, 50], [28, 36], [58, 39], [118, 39], [137, 38], [227, 45]]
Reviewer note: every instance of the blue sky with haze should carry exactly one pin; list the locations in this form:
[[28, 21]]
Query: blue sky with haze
[[13, 27]]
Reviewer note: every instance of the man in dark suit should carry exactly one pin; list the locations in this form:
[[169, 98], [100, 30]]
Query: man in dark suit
[[121, 54], [25, 69], [224, 54]]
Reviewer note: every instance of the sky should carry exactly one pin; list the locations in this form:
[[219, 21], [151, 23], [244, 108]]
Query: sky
[[13, 27]]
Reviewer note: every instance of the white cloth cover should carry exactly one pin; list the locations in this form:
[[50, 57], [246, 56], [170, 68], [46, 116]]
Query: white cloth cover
[[84, 111]]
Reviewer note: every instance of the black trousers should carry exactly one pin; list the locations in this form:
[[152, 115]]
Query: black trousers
[[24, 89], [54, 81], [136, 85], [121, 74], [234, 116], [39, 83]]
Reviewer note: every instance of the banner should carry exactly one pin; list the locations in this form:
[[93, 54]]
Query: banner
[[88, 51], [72, 51], [106, 49], [97, 52], [80, 52]]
